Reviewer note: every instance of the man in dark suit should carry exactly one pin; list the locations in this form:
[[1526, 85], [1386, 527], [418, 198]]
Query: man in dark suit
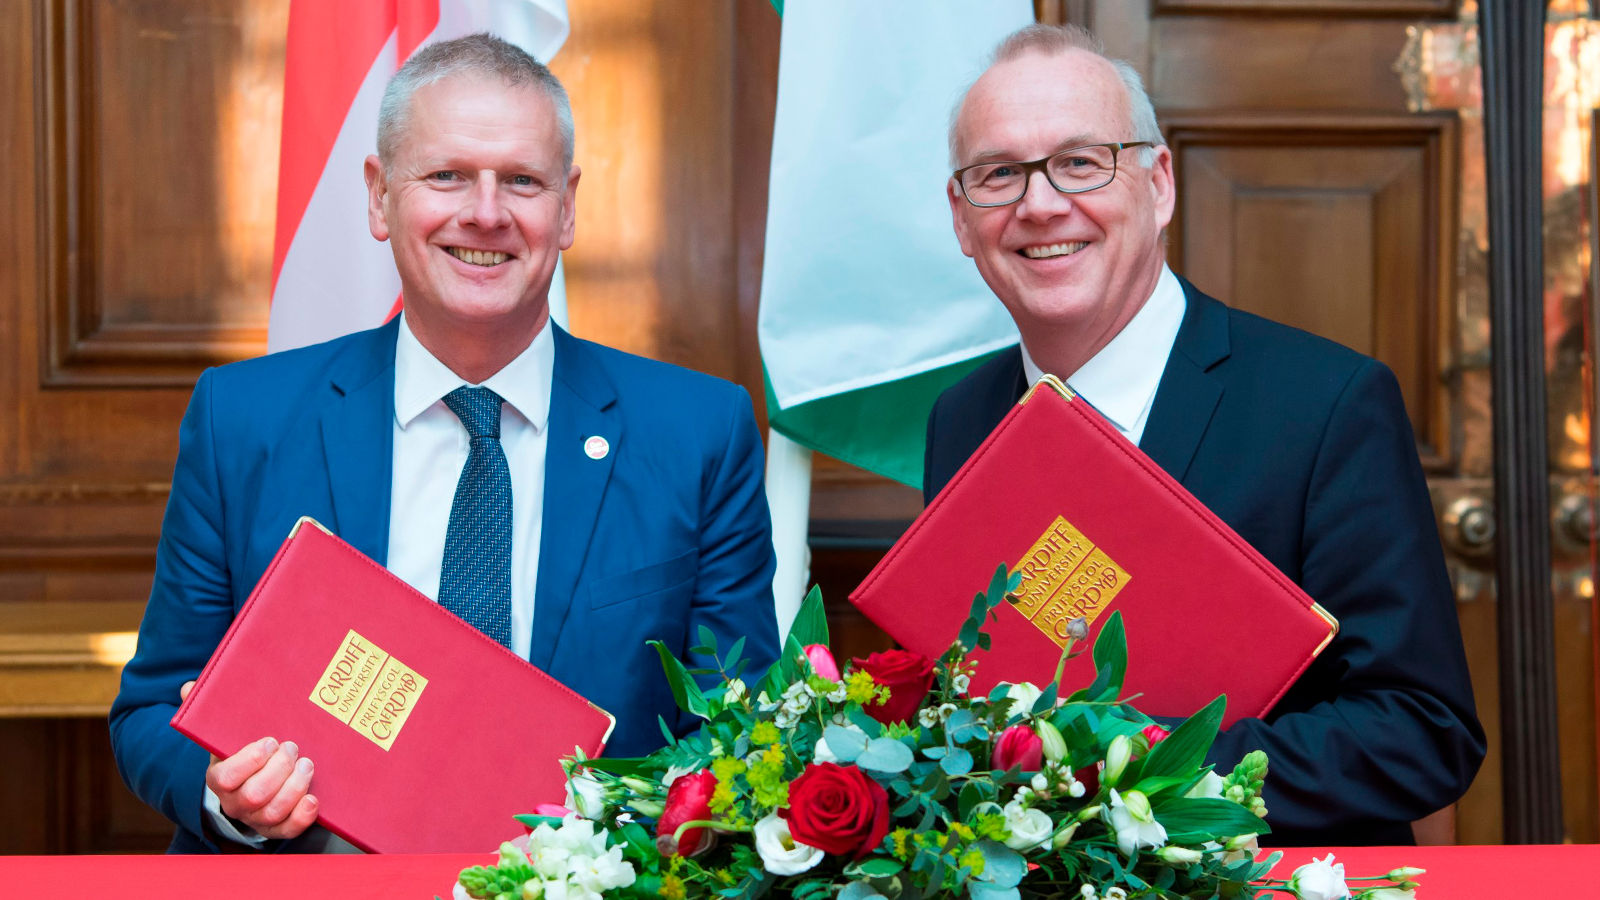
[[1299, 444], [613, 500]]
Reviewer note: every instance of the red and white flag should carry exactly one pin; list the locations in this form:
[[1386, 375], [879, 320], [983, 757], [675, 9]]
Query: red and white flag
[[329, 277]]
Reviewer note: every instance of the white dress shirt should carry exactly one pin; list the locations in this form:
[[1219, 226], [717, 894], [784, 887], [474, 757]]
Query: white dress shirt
[[430, 449], [1119, 381]]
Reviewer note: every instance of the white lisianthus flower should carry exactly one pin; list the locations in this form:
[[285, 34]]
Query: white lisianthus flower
[[1023, 695], [586, 796], [1134, 825], [1320, 879], [1029, 828], [780, 853], [1208, 787]]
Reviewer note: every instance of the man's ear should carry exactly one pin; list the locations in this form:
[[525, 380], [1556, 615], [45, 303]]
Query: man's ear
[[569, 209], [1162, 186], [959, 207], [377, 189]]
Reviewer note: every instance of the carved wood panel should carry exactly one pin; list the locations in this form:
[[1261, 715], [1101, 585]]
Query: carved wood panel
[[154, 215], [1334, 226]]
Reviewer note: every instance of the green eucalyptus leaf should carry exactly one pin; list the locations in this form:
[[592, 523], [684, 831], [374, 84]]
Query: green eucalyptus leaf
[[883, 755], [1002, 866], [859, 890], [957, 763], [845, 743]]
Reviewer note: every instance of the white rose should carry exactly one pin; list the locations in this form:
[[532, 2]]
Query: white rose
[[1029, 828], [1135, 827], [780, 853], [1320, 879]]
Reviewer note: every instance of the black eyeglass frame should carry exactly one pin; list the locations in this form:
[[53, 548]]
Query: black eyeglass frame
[[1042, 165]]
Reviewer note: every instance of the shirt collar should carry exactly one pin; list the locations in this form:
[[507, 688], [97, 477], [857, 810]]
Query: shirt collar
[[421, 380], [1119, 381]]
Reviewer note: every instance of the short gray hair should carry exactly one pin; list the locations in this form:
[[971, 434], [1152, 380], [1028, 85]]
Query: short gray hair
[[476, 54], [1053, 40]]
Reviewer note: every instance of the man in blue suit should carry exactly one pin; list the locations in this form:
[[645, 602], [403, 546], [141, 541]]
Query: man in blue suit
[[1301, 445], [577, 500]]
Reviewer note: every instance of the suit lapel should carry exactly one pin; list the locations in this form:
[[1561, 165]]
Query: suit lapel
[[582, 405], [358, 441], [1187, 395]]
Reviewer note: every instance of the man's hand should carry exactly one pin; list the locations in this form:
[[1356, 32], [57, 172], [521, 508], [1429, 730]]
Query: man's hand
[[265, 786]]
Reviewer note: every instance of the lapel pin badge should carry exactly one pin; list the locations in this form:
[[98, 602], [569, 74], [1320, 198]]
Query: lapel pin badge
[[596, 447]]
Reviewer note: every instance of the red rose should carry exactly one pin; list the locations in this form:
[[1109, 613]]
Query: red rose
[[1018, 748], [837, 809], [688, 800], [907, 675]]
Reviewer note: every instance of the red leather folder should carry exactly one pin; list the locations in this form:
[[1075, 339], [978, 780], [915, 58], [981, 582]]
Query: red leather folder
[[1094, 525], [428, 736]]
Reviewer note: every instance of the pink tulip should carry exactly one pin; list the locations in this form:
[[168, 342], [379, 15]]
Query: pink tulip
[[1154, 734], [688, 800], [822, 661], [1019, 747]]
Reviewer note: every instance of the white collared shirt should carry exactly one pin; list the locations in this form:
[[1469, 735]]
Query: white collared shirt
[[1119, 381], [430, 449]]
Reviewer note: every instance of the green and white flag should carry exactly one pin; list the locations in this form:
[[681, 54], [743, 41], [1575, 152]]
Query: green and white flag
[[868, 307]]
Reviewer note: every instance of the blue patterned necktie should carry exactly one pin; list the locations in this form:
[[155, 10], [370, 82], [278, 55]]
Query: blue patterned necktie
[[475, 579]]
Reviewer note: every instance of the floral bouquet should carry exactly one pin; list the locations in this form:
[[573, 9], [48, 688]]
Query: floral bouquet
[[889, 781]]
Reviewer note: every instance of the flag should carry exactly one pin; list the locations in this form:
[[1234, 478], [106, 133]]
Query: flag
[[868, 307], [329, 277]]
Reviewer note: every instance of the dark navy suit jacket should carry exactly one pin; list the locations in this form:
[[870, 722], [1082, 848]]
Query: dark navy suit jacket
[[1304, 448], [668, 532]]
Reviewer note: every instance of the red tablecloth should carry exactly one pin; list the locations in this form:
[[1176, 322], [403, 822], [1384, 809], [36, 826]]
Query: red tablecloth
[[1454, 873]]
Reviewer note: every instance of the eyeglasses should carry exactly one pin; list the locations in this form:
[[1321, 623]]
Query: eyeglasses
[[1070, 172]]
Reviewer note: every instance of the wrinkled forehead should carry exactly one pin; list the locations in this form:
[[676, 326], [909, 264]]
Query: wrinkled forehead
[[1040, 102]]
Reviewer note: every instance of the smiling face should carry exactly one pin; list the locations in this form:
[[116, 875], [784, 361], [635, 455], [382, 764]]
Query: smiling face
[[477, 206], [1072, 269]]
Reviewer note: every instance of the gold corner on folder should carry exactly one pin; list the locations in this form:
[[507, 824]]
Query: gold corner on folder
[[1054, 384], [307, 520], [612, 720], [1333, 627]]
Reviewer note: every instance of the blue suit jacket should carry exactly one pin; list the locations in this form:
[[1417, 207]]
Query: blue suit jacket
[[667, 532], [1304, 448]]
